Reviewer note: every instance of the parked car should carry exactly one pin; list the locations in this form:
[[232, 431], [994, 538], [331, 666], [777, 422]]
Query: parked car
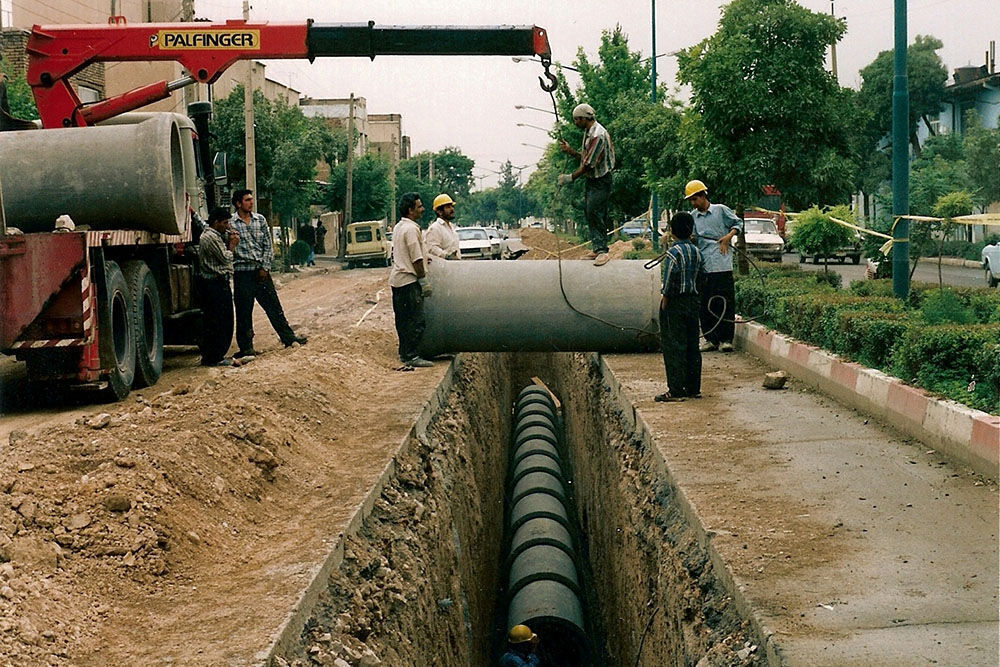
[[474, 243], [990, 258], [762, 239], [852, 252], [498, 244], [367, 242], [635, 227]]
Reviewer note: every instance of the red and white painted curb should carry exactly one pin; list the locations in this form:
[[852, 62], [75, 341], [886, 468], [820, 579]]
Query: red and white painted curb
[[969, 436]]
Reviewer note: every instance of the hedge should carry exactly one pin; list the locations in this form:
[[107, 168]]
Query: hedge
[[869, 325]]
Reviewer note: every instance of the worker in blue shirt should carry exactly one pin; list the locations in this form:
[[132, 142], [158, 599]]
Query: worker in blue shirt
[[521, 645], [715, 226]]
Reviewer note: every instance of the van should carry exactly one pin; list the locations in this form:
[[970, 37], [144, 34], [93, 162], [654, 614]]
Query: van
[[367, 242]]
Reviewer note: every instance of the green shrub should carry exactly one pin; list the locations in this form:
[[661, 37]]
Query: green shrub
[[941, 307]]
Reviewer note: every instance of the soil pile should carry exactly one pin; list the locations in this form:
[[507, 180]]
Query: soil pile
[[544, 244]]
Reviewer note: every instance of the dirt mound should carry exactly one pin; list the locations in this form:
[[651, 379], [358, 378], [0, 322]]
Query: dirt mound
[[544, 244]]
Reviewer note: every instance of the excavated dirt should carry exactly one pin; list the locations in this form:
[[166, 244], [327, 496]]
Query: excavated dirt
[[544, 244]]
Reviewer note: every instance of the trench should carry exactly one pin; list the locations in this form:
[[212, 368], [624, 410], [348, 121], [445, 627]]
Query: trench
[[424, 578]]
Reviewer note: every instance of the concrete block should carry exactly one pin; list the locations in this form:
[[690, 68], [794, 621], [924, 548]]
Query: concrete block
[[907, 402], [874, 386], [845, 373]]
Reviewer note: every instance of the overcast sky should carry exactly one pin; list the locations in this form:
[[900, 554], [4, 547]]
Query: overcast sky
[[468, 102]]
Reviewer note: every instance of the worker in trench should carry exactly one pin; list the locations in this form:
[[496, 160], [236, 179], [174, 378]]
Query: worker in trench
[[715, 225], [597, 160], [683, 269], [408, 281], [522, 646], [441, 239]]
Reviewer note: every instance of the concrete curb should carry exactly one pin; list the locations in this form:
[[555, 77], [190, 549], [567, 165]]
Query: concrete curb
[[286, 636], [956, 261], [632, 417], [966, 435]]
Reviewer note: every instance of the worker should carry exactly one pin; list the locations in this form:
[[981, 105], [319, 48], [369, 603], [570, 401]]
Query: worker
[[408, 281], [252, 277], [597, 160], [521, 646], [683, 267], [215, 296], [715, 225], [441, 239]]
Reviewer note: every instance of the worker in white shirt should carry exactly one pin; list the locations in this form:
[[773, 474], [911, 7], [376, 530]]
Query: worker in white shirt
[[441, 239]]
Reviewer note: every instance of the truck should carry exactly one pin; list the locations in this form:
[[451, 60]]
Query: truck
[[368, 242], [98, 232]]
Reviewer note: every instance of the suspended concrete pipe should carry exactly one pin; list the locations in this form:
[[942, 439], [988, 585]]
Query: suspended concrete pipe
[[121, 177], [543, 583], [518, 306]]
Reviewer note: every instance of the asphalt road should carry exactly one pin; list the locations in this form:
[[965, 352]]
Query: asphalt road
[[927, 271]]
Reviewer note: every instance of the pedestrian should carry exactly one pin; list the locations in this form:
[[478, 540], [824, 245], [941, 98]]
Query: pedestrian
[[597, 160], [215, 296], [408, 282], [320, 238], [441, 239], [683, 268], [522, 645], [715, 226], [252, 277], [307, 233]]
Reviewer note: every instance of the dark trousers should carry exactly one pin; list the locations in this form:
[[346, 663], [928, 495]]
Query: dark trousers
[[718, 300], [679, 344], [248, 287], [216, 300], [595, 210], [408, 308]]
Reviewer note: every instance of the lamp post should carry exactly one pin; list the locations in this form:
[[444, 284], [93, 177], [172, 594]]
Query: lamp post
[[521, 107], [654, 204], [534, 126], [900, 159]]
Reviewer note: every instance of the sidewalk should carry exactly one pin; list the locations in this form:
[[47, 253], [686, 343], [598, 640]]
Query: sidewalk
[[853, 545]]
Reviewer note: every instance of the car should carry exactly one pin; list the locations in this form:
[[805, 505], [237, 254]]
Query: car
[[367, 242], [762, 239], [852, 251], [497, 242], [990, 259], [635, 227], [474, 243]]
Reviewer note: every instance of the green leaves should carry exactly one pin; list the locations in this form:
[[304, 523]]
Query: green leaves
[[817, 234]]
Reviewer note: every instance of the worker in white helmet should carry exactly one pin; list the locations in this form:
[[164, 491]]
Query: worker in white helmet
[[597, 160]]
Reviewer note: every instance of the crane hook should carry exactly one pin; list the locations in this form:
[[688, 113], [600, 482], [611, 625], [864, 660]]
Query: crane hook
[[553, 82]]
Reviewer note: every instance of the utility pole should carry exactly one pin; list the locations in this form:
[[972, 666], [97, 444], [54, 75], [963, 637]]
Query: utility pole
[[833, 49], [349, 194], [430, 171], [248, 121], [900, 159], [654, 204], [187, 15]]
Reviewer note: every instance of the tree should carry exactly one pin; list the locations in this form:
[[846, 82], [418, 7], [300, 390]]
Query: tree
[[947, 207], [22, 102], [816, 234], [764, 109], [926, 76], [982, 155], [371, 198]]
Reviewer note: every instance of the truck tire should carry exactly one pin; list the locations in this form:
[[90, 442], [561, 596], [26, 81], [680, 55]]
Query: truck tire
[[855, 259], [802, 258], [147, 317], [117, 334]]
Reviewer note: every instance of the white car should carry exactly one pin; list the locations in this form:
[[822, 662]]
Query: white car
[[762, 239], [991, 263], [474, 243], [497, 242]]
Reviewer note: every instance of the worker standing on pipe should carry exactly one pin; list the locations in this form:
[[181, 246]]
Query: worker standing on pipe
[[521, 646], [683, 268], [597, 160], [441, 239], [408, 281], [715, 225]]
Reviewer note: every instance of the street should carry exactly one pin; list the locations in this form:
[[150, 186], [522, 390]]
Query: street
[[927, 271]]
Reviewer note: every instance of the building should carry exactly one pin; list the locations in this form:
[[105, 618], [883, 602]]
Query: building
[[387, 138]]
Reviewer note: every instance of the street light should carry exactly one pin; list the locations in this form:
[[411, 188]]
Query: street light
[[533, 146], [534, 126], [525, 106]]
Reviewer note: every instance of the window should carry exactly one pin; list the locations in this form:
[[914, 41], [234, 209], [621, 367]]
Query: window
[[88, 94], [363, 235]]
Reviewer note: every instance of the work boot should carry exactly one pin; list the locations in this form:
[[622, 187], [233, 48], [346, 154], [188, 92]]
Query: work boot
[[726, 347], [246, 353], [590, 255], [418, 362], [601, 259], [301, 340], [708, 347]]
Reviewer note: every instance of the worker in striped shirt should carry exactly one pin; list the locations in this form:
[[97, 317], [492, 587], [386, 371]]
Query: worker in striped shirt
[[683, 267]]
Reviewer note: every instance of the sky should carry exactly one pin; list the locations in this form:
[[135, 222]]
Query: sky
[[468, 101]]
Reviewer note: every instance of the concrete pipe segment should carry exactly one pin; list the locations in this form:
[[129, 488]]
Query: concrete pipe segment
[[108, 177], [543, 582], [518, 306]]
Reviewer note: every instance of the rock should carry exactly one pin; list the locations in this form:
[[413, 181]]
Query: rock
[[340, 662], [180, 390], [193, 536], [34, 553], [99, 421], [16, 437], [27, 509], [129, 560], [117, 503], [65, 540], [775, 380], [369, 659], [24, 467], [78, 521], [7, 592]]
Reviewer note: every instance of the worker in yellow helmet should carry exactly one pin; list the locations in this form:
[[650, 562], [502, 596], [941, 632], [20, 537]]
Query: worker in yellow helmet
[[441, 239], [521, 646], [715, 225]]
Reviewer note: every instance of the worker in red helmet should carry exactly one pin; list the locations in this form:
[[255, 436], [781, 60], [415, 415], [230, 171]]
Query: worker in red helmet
[[521, 646]]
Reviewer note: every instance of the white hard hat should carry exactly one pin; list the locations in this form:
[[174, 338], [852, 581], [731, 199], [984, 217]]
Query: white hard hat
[[583, 111]]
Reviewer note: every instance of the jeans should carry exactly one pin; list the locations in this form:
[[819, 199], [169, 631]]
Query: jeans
[[718, 300], [679, 344], [595, 210], [216, 301], [249, 286], [408, 309]]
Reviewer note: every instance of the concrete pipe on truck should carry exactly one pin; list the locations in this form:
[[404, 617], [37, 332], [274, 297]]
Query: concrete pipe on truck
[[109, 177], [519, 306]]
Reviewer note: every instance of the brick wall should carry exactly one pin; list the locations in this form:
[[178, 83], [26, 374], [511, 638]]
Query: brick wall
[[12, 46]]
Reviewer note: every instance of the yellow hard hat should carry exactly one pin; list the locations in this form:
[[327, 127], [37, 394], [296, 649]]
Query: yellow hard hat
[[441, 200], [520, 634], [693, 188]]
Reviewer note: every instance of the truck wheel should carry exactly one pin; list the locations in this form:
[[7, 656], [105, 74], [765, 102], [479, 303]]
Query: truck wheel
[[802, 258], [147, 317], [117, 334], [816, 259], [990, 279], [855, 259]]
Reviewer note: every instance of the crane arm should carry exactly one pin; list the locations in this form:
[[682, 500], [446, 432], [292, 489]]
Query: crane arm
[[206, 49]]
